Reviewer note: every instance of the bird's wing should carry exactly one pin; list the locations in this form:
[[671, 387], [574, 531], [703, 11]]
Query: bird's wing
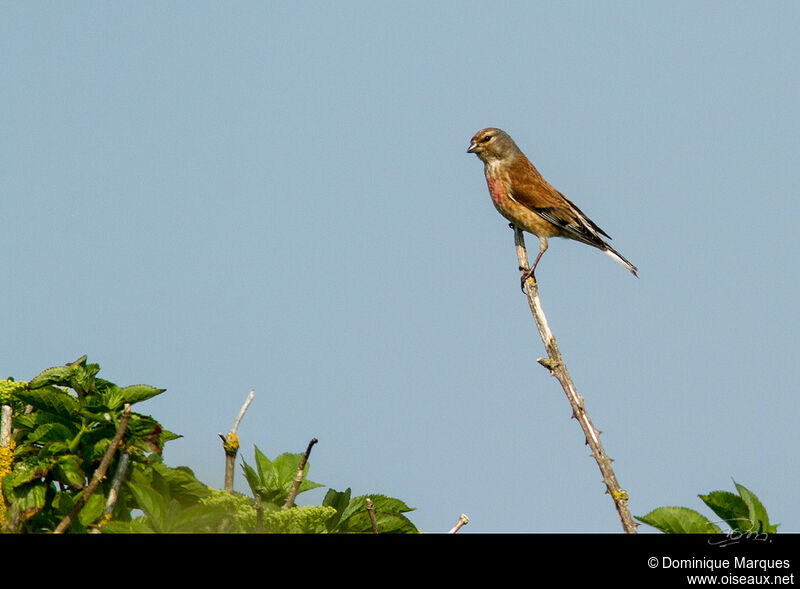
[[530, 189]]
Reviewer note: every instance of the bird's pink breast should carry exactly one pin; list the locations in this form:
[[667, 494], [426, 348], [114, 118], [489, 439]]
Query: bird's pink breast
[[505, 204], [497, 190]]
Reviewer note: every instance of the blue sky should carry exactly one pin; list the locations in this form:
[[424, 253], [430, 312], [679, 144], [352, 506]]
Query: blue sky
[[218, 197]]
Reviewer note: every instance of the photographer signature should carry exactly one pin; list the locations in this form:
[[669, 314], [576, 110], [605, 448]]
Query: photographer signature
[[737, 535]]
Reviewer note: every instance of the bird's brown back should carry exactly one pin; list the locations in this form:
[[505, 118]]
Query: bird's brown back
[[530, 189]]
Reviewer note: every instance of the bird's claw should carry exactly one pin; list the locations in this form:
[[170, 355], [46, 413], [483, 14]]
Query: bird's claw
[[528, 274]]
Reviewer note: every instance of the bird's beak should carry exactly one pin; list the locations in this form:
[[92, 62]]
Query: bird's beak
[[472, 147]]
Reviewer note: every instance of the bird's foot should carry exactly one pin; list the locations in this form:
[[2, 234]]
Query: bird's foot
[[528, 274]]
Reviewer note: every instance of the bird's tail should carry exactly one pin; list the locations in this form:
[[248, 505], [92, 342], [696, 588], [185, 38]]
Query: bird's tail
[[615, 255]]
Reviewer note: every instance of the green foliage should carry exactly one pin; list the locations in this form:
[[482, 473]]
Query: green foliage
[[8, 394], [240, 511], [64, 420], [172, 501], [61, 438], [743, 513], [298, 520], [352, 515], [272, 480]]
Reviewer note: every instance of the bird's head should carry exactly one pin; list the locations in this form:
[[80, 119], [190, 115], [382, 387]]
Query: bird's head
[[493, 145]]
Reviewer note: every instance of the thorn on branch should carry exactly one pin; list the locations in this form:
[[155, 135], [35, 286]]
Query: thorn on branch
[[548, 363]]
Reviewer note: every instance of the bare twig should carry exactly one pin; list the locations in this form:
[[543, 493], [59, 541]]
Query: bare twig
[[555, 364], [230, 444], [462, 521], [298, 478], [371, 511], [99, 474], [239, 417]]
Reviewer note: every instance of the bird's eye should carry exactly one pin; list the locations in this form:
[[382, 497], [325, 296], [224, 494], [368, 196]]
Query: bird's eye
[[487, 138]]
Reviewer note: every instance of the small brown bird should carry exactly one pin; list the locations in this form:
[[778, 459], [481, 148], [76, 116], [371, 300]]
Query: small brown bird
[[524, 197]]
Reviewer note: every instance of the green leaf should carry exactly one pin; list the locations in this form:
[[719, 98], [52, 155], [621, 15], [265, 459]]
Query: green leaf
[[57, 375], [352, 515], [53, 449], [251, 476], [679, 520], [115, 397], [63, 504], [28, 498], [79, 362], [286, 466], [385, 504], [139, 392], [266, 471], [198, 518], [388, 515], [51, 400], [757, 513], [275, 478], [68, 470], [181, 484], [82, 378], [729, 507], [111, 398], [152, 504], [93, 509], [28, 471], [49, 432], [167, 514], [340, 501]]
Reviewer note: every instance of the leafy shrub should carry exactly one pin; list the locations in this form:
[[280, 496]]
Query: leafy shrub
[[64, 424]]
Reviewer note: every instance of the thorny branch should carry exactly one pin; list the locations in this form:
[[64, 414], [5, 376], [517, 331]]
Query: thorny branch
[[555, 364]]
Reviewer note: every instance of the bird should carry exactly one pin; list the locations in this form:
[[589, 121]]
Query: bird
[[522, 195]]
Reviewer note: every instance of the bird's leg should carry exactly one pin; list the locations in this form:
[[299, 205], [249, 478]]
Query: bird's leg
[[530, 272]]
